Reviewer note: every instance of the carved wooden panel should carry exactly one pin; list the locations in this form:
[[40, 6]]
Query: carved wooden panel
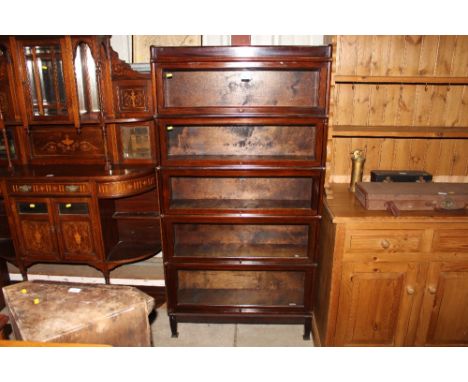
[[122, 70], [77, 239], [132, 96], [38, 239], [66, 142]]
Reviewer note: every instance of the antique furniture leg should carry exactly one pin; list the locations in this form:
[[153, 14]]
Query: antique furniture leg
[[4, 280], [3, 323], [173, 323], [106, 274], [307, 328], [24, 271]]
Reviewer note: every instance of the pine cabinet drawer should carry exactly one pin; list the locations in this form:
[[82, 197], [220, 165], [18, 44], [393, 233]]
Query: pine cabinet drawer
[[383, 241], [450, 240]]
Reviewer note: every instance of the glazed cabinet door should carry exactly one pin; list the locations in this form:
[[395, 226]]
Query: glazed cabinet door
[[248, 89], [35, 229], [46, 77], [75, 233], [241, 141], [444, 314], [375, 303], [239, 288]]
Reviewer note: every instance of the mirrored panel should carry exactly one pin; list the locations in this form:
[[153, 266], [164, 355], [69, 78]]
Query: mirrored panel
[[136, 142], [86, 80], [46, 81]]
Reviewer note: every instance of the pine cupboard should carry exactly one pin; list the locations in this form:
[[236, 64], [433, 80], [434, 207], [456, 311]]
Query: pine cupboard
[[386, 281]]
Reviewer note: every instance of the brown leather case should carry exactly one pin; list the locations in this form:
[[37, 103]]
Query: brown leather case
[[413, 196]]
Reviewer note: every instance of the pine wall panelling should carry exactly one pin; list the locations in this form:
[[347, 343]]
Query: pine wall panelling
[[404, 100]]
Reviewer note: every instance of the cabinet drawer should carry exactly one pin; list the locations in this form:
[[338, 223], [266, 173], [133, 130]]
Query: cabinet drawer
[[244, 238], [450, 240], [27, 188], [383, 241], [261, 191], [199, 142]]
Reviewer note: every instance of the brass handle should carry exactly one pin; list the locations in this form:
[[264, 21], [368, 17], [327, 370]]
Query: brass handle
[[168, 75], [432, 289], [385, 243], [32, 205], [169, 128], [25, 188], [71, 188], [410, 290]]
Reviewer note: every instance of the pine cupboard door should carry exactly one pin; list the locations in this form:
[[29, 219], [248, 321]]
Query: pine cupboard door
[[375, 303], [444, 314], [75, 231], [36, 230]]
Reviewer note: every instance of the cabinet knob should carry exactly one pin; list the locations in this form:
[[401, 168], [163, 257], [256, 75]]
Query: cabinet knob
[[410, 290], [71, 188], [25, 188], [432, 289], [385, 243], [169, 128]]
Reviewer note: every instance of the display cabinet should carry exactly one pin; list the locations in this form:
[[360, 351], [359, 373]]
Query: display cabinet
[[78, 153], [242, 133]]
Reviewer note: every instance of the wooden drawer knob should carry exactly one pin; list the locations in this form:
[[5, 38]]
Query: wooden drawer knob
[[385, 244], [432, 289], [410, 290]]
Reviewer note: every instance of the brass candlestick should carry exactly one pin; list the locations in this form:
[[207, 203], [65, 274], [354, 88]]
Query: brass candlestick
[[358, 159]]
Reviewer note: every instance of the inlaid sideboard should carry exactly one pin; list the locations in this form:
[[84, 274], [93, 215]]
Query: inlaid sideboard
[[78, 154], [79, 214]]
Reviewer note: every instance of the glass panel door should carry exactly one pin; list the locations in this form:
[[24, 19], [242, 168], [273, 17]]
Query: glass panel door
[[86, 80], [44, 69]]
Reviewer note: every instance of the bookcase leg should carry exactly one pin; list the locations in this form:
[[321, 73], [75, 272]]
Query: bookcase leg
[[106, 274], [24, 272], [173, 323], [307, 329]]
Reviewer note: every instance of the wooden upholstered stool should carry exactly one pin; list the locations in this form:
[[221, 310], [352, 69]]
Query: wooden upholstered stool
[[79, 313]]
